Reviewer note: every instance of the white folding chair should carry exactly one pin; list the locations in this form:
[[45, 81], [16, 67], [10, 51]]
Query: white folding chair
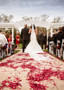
[[1, 50], [10, 48], [58, 49], [63, 48], [51, 47]]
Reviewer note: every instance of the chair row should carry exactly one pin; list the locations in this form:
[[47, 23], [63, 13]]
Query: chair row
[[3, 52], [57, 49]]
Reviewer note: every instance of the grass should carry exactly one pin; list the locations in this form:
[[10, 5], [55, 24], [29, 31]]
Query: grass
[[0, 59], [20, 46], [46, 50], [16, 51]]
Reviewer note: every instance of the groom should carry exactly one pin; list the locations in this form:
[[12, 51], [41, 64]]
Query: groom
[[25, 36]]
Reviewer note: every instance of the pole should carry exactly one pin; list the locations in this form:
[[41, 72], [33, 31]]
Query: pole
[[12, 35]]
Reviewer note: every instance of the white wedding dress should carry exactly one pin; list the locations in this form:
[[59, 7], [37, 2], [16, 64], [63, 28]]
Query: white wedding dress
[[33, 48]]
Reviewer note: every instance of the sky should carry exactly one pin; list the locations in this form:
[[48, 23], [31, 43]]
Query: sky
[[32, 8]]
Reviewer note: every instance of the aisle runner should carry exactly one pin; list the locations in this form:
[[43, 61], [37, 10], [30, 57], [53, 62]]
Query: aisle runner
[[20, 72]]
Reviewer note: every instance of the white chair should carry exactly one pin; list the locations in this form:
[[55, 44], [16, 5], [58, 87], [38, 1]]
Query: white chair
[[63, 48], [10, 48], [58, 49], [51, 47]]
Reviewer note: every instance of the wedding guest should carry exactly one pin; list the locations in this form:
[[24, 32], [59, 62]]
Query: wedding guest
[[3, 41], [4, 33], [59, 40], [7, 35], [63, 32], [54, 36], [44, 39], [17, 39], [40, 39], [10, 40], [54, 40], [49, 39], [62, 49], [59, 35]]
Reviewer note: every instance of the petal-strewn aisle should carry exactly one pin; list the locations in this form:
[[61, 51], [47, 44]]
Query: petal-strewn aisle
[[21, 72]]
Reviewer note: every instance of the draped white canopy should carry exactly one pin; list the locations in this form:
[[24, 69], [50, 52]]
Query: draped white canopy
[[21, 24]]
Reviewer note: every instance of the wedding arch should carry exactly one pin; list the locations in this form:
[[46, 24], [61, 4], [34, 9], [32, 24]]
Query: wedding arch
[[20, 24], [47, 25]]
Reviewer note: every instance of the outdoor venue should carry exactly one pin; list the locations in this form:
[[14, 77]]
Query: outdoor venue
[[31, 45]]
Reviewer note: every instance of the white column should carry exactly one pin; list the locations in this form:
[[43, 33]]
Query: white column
[[12, 35], [47, 36], [51, 32], [51, 26]]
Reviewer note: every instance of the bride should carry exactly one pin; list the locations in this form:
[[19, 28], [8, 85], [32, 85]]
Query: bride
[[33, 48]]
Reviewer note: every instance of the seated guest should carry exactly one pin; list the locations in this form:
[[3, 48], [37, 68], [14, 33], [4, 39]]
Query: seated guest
[[4, 41]]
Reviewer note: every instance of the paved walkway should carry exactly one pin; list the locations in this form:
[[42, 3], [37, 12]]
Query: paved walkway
[[21, 72]]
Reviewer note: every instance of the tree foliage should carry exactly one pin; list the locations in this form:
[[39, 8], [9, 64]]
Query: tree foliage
[[5, 18], [57, 19], [43, 18]]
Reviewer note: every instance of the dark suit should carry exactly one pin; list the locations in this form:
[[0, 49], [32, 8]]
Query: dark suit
[[63, 35], [59, 37], [44, 40], [40, 39], [54, 40], [25, 37]]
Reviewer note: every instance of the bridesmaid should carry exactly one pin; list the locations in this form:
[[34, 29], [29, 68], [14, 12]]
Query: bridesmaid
[[17, 39]]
